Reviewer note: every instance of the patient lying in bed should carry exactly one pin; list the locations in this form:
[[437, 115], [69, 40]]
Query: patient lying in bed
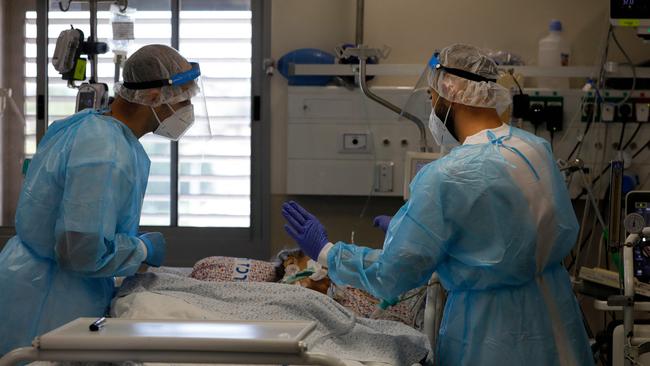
[[293, 267]]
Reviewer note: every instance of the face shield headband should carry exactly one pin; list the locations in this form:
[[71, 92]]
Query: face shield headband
[[176, 80], [435, 64]]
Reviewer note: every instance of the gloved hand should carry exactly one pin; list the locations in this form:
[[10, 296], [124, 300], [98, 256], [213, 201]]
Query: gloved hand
[[382, 222], [305, 229], [156, 248]]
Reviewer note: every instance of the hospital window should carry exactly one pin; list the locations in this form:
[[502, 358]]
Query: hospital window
[[214, 166]]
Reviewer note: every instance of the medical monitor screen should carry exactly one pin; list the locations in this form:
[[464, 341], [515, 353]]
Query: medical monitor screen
[[630, 9], [85, 100], [416, 166]]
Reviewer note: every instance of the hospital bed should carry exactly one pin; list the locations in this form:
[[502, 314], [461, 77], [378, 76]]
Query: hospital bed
[[208, 342]]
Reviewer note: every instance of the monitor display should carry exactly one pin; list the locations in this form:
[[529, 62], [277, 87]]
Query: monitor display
[[630, 9], [639, 202], [85, 100]]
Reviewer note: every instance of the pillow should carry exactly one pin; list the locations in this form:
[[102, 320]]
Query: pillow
[[229, 269]]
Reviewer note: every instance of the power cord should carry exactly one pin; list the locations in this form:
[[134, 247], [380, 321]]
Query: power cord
[[632, 66], [606, 169]]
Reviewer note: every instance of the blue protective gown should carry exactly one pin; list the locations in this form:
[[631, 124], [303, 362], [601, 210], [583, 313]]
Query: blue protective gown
[[493, 218], [76, 226]]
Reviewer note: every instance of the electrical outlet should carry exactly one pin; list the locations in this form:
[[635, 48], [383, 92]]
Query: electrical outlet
[[642, 111], [607, 112], [555, 114], [384, 176], [588, 109], [537, 113], [355, 143], [625, 113]]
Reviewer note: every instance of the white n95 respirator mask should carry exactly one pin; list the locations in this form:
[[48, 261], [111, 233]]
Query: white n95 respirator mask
[[176, 125], [439, 130]]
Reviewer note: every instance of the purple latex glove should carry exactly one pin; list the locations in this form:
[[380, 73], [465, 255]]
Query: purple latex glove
[[305, 229], [382, 222]]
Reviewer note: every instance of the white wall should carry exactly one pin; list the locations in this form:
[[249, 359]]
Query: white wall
[[299, 24]]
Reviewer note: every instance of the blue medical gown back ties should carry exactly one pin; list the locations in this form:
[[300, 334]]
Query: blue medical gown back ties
[[76, 225], [494, 220]]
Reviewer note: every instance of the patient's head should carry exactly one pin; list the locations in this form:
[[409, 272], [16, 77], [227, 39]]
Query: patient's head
[[294, 266]]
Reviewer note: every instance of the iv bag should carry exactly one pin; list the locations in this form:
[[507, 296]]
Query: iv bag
[[123, 24]]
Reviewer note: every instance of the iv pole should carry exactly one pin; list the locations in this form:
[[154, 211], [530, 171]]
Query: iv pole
[[64, 5]]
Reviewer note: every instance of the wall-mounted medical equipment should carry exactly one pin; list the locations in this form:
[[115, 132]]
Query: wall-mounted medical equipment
[[631, 13], [339, 143], [364, 54]]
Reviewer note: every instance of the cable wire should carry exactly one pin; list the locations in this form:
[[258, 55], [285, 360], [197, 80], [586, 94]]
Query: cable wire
[[631, 139], [512, 74], [600, 80], [606, 169], [641, 149], [620, 138], [632, 66]]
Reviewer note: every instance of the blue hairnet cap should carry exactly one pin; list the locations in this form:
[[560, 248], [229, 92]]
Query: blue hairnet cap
[[456, 89], [156, 62]]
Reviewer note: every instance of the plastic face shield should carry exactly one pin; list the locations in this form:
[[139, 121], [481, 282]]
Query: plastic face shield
[[191, 81], [202, 122], [419, 103], [187, 76]]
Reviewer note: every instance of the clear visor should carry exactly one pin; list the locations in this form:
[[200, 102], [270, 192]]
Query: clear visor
[[418, 103], [203, 123], [456, 86], [222, 125]]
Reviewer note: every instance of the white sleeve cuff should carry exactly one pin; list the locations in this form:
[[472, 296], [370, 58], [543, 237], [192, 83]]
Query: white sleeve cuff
[[322, 256]]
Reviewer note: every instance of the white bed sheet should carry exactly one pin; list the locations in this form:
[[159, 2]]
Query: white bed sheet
[[147, 306]]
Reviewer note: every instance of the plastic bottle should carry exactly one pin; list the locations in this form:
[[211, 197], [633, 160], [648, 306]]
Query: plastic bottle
[[554, 51]]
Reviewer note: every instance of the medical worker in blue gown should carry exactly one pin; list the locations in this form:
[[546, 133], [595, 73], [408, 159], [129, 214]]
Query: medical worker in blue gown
[[79, 209], [492, 218]]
